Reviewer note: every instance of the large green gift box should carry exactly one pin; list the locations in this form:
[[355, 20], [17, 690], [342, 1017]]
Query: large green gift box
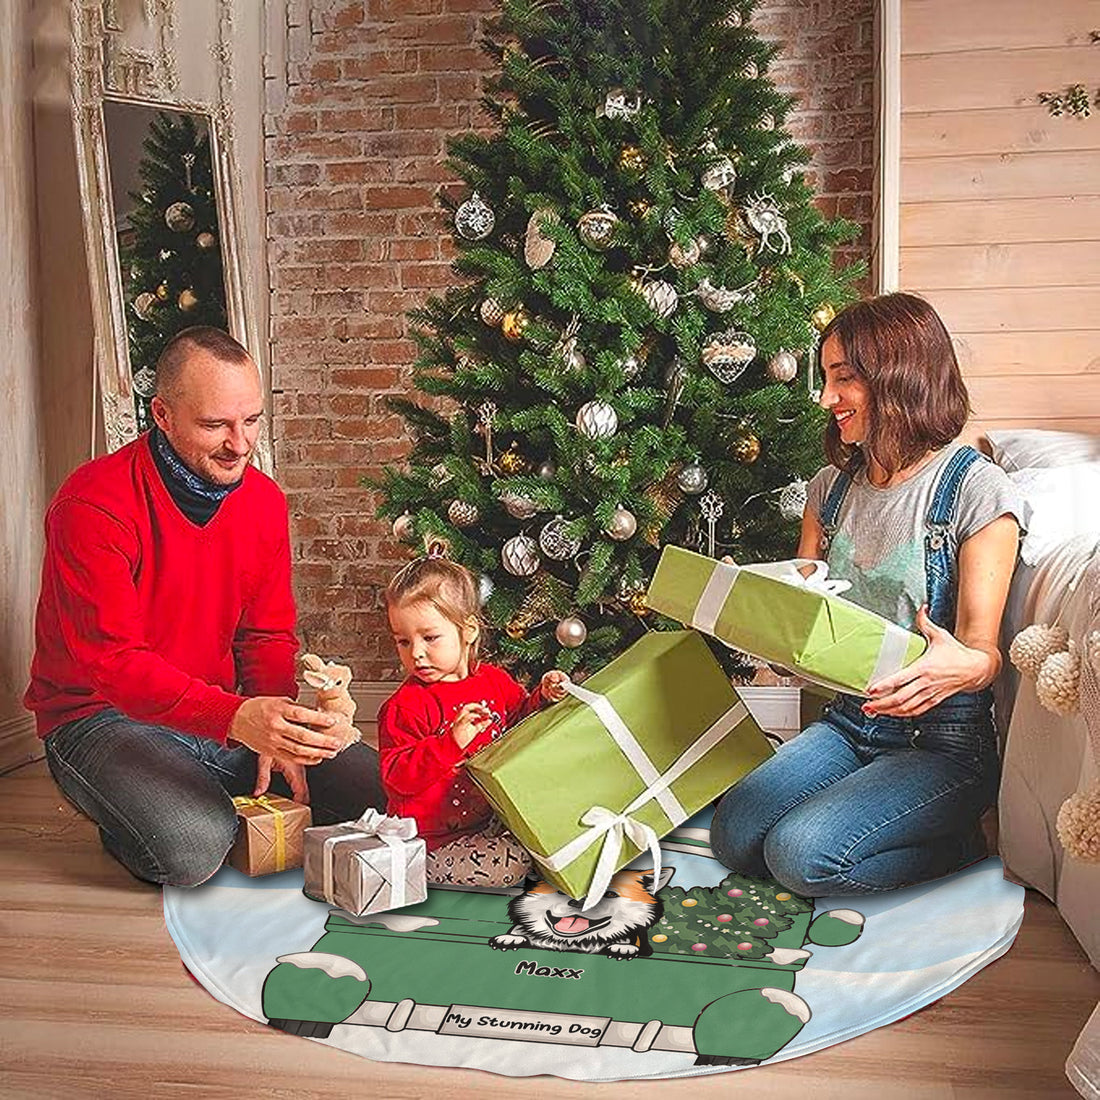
[[589, 783], [772, 612]]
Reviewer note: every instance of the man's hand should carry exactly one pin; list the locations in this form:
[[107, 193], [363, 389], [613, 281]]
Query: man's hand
[[472, 719], [290, 733], [295, 776], [553, 684]]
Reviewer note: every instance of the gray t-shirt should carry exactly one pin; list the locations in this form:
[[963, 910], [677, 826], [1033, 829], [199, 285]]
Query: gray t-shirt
[[879, 539]]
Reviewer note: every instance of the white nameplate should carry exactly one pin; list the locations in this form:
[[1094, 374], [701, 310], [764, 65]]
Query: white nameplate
[[527, 1027]]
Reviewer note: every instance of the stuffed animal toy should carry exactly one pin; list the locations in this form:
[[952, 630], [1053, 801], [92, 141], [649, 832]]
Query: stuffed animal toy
[[332, 682]]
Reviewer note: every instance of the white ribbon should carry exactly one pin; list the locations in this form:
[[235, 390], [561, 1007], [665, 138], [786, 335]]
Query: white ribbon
[[613, 827], [392, 831]]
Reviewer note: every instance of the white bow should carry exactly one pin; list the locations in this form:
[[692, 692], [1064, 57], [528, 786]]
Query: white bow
[[613, 827], [790, 572]]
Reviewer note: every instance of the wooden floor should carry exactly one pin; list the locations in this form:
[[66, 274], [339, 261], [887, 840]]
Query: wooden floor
[[95, 1003]]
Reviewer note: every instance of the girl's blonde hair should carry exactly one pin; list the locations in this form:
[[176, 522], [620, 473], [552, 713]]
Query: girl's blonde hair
[[449, 587]]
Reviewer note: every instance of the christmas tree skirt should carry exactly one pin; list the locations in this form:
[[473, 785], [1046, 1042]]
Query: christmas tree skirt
[[719, 972]]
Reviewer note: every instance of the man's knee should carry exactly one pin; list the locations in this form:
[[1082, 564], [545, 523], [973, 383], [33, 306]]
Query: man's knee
[[187, 854]]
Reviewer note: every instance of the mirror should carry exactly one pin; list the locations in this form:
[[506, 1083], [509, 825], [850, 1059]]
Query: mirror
[[153, 124], [168, 232]]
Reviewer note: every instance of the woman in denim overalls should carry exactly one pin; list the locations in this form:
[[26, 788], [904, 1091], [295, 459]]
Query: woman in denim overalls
[[887, 791]]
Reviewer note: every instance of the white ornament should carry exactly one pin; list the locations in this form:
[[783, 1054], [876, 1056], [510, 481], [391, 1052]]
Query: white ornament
[[721, 299], [623, 524], [547, 471], [720, 177], [485, 589], [463, 514], [1059, 680], [474, 219], [792, 500], [762, 214], [597, 228], [518, 506], [1034, 644], [661, 297], [692, 479], [727, 354], [145, 382], [630, 365], [520, 556], [597, 420], [144, 304], [556, 541], [492, 312], [441, 474], [538, 249], [619, 103], [782, 366], [403, 527], [571, 632]]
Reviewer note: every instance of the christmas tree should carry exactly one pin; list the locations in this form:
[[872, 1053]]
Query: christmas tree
[[171, 260], [626, 360]]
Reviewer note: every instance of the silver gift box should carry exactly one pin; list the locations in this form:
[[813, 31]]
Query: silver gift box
[[362, 869]]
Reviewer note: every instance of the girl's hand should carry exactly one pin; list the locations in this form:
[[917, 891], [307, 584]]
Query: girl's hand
[[946, 667], [553, 684], [471, 720]]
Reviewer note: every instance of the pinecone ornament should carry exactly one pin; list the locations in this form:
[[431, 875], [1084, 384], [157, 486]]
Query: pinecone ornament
[[1078, 825], [1034, 644], [1059, 681]]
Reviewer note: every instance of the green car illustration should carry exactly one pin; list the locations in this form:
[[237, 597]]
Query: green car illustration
[[716, 978]]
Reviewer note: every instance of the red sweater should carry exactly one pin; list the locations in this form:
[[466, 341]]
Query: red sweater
[[421, 762], [142, 610]]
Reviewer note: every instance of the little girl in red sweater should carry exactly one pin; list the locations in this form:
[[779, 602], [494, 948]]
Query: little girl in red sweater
[[451, 705]]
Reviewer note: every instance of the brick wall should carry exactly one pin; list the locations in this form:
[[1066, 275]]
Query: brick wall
[[355, 140]]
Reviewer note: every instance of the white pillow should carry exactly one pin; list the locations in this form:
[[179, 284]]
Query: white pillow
[[1019, 448], [1061, 502]]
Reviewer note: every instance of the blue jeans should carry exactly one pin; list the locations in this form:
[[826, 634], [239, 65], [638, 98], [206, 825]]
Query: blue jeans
[[163, 799], [858, 804]]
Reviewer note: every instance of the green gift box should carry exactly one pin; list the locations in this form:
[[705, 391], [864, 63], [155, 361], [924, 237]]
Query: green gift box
[[589, 783], [775, 613]]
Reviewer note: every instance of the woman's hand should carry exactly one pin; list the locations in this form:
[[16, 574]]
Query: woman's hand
[[946, 667], [472, 719], [553, 684]]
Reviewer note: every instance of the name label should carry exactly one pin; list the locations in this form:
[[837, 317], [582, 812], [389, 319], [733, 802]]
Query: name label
[[528, 1027]]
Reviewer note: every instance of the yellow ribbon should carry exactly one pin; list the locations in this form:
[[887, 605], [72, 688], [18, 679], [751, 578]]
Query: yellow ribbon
[[241, 801]]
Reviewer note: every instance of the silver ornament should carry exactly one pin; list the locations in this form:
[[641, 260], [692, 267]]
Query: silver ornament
[[762, 213], [720, 177], [518, 506], [463, 514], [597, 420], [547, 470], [403, 527], [474, 219], [144, 304], [721, 299], [792, 500], [520, 556], [485, 589], [538, 249], [180, 217], [492, 312], [661, 297], [145, 382], [727, 354], [682, 256], [782, 366], [557, 542], [440, 475], [619, 103], [597, 228], [571, 632], [623, 524], [692, 479]]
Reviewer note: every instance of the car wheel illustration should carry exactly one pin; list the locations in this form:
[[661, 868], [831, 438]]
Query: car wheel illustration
[[309, 1028], [310, 991]]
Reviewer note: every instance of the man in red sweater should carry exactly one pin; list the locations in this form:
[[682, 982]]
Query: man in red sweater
[[164, 671]]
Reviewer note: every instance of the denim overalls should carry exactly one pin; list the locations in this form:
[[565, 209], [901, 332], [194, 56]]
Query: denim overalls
[[858, 804]]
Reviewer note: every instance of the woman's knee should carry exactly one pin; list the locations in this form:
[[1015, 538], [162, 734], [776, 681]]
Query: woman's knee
[[803, 860], [735, 835]]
